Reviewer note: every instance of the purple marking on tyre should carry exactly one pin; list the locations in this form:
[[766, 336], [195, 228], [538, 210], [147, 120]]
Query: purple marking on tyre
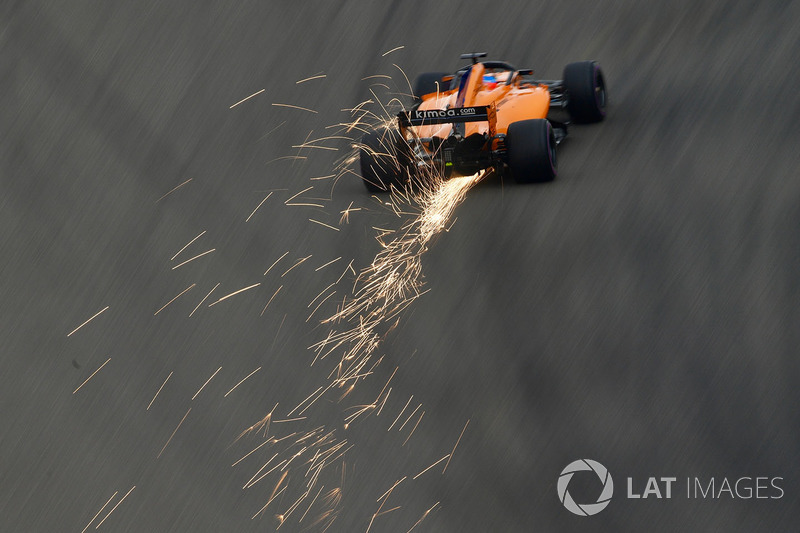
[[551, 151], [599, 96]]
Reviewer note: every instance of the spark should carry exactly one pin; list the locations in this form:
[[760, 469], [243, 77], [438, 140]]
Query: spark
[[158, 392], [270, 131], [289, 420], [326, 264], [400, 414], [319, 305], [293, 157], [298, 194], [264, 422], [253, 451], [90, 377], [92, 318], [175, 189], [414, 429], [329, 148], [304, 401], [204, 299], [392, 50], [173, 433], [295, 107], [259, 205], [114, 508], [305, 204], [248, 98], [318, 76], [403, 72], [434, 464], [375, 76], [206, 383], [100, 511], [268, 502], [276, 262], [346, 213], [274, 494], [409, 418], [423, 517], [242, 381], [250, 482], [323, 177], [312, 503], [388, 492], [193, 258], [454, 447], [187, 245], [270, 300], [323, 224], [190, 287], [234, 293], [296, 264]]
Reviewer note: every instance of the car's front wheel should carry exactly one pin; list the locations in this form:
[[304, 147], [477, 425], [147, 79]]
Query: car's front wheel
[[586, 91], [531, 150]]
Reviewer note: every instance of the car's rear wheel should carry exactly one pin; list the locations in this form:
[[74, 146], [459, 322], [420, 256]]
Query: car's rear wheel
[[429, 82], [586, 91], [531, 147], [384, 160]]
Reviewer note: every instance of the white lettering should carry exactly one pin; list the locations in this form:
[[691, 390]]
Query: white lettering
[[669, 481], [630, 490], [651, 488]]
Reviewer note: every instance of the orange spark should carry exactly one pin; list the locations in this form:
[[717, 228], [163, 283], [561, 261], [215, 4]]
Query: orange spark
[[90, 377], [92, 318], [158, 392]]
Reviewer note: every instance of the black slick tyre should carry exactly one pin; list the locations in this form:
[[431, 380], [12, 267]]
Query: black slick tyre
[[586, 91], [531, 146], [384, 161], [429, 82]]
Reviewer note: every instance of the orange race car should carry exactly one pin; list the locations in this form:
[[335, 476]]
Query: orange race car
[[488, 114]]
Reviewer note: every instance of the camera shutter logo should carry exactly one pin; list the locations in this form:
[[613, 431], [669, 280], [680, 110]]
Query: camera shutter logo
[[585, 509]]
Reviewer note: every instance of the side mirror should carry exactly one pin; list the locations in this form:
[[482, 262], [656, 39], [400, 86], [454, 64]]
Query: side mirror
[[526, 72]]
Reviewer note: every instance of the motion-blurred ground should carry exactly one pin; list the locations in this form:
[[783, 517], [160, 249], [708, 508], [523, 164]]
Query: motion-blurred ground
[[641, 311]]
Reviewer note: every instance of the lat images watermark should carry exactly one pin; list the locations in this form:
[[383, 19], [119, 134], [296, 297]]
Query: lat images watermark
[[666, 487], [585, 509]]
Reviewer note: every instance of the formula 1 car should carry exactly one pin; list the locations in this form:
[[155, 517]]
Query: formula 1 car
[[488, 114]]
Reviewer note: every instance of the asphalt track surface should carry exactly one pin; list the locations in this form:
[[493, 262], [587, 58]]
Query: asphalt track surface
[[641, 311]]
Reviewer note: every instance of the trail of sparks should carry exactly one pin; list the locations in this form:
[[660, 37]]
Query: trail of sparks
[[234, 293], [90, 377], [193, 258], [295, 107], [92, 318], [114, 508], [173, 433], [248, 98], [358, 326], [318, 76], [184, 291], [175, 189], [257, 207], [158, 392], [454, 447], [204, 299], [323, 224], [100, 511], [243, 380], [187, 245], [206, 383]]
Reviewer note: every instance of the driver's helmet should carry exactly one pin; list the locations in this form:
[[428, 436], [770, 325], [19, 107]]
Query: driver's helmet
[[489, 81]]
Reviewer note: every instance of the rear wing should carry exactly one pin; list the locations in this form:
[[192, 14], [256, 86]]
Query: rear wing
[[454, 115]]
